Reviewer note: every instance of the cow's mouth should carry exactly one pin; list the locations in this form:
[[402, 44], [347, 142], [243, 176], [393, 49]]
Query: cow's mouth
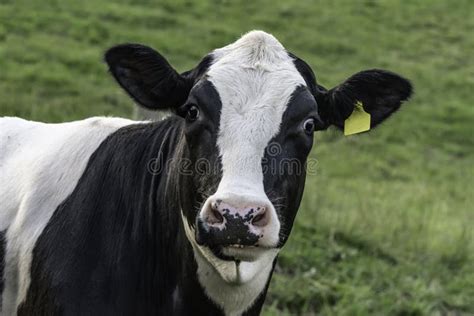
[[238, 252]]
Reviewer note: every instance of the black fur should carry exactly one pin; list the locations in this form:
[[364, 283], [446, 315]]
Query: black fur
[[148, 77], [380, 91], [2, 262]]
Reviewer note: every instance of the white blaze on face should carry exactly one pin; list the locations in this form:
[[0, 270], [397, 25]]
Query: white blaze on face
[[255, 78]]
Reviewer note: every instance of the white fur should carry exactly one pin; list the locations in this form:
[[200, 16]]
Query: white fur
[[40, 165]]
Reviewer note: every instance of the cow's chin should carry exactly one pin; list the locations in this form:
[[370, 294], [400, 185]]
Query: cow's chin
[[234, 264]]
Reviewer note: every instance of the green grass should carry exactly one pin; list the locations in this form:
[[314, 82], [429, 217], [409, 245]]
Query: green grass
[[386, 224]]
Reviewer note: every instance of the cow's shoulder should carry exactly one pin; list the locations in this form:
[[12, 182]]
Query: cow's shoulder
[[40, 163], [12, 130]]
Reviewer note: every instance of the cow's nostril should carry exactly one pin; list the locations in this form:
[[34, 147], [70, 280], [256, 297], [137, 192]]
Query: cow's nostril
[[216, 217], [261, 219]]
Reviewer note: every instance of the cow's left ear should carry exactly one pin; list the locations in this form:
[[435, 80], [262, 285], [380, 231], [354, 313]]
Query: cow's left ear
[[380, 92], [147, 76]]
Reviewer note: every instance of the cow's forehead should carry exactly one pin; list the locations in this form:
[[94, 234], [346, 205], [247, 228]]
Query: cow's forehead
[[255, 78], [253, 61]]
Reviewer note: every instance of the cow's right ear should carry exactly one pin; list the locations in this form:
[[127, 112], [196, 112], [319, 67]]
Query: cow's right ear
[[379, 92], [147, 76]]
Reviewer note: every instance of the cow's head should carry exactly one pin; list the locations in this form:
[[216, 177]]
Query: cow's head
[[249, 110]]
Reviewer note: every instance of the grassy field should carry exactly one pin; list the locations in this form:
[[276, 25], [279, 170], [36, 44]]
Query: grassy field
[[386, 225]]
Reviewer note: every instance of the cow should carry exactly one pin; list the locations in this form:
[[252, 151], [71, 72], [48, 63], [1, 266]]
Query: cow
[[187, 215]]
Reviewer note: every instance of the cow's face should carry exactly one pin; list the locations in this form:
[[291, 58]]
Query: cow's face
[[250, 110]]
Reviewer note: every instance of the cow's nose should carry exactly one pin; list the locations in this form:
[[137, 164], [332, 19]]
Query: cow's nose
[[227, 224], [220, 212]]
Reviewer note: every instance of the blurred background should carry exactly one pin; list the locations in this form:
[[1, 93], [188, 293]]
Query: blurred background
[[386, 224]]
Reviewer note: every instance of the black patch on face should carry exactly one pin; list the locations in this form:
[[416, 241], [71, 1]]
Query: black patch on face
[[204, 172], [198, 72], [309, 77], [285, 168], [318, 91], [3, 244]]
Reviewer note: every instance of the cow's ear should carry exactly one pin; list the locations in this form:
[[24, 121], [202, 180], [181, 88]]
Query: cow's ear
[[147, 76], [379, 91]]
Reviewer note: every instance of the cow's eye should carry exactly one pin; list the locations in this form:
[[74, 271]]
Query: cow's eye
[[192, 114], [309, 126]]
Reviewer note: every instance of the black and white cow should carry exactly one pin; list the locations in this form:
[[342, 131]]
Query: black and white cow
[[109, 216]]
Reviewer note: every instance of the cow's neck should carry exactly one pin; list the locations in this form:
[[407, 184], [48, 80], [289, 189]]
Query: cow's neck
[[231, 298], [199, 288]]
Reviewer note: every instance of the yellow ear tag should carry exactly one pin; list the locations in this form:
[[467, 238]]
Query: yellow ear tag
[[358, 122]]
